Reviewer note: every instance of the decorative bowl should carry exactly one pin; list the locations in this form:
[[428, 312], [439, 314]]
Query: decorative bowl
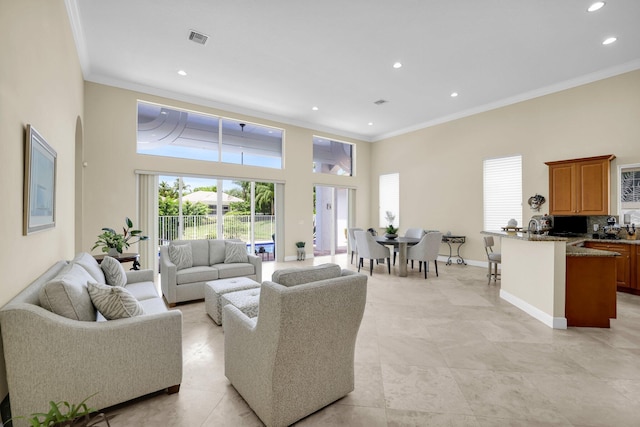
[[390, 236]]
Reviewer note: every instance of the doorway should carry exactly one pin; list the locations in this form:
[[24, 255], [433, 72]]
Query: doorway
[[330, 220]]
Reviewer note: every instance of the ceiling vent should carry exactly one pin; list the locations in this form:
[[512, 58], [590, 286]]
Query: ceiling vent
[[381, 101], [198, 37]]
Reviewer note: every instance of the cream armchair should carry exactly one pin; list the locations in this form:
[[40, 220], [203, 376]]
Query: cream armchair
[[370, 249], [425, 251], [297, 357]]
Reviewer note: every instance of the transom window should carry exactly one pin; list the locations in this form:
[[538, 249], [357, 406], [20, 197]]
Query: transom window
[[170, 132], [332, 157]]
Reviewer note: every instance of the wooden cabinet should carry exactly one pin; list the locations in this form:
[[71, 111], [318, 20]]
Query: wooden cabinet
[[626, 264], [590, 298], [580, 186]]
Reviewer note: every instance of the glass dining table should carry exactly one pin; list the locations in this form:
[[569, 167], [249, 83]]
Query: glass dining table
[[401, 243]]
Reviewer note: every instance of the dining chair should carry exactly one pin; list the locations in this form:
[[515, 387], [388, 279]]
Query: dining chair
[[353, 247], [426, 250], [415, 233], [370, 249], [494, 258]]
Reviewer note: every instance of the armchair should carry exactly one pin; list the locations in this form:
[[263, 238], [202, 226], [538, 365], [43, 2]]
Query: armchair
[[426, 250], [353, 247], [298, 356], [370, 249]]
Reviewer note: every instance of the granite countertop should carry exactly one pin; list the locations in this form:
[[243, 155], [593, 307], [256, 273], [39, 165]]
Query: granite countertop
[[575, 245]]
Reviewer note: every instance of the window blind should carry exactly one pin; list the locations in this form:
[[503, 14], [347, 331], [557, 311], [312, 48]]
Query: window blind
[[389, 188], [502, 186]]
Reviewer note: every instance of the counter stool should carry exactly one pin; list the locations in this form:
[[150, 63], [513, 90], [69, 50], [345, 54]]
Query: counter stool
[[494, 259]]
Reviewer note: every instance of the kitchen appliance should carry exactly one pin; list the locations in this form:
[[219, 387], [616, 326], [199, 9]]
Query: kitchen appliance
[[540, 224], [612, 229], [569, 226]]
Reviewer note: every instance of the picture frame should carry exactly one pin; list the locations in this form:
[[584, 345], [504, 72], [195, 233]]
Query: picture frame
[[40, 163]]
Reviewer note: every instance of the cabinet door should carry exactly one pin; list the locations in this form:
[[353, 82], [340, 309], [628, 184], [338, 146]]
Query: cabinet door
[[592, 190], [562, 189], [623, 262], [637, 281]]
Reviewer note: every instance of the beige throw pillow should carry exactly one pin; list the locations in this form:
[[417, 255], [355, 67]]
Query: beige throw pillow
[[181, 256], [114, 302], [235, 252], [113, 271]]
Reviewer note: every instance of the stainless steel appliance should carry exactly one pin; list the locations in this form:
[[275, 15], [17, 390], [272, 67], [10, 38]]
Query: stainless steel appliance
[[540, 224]]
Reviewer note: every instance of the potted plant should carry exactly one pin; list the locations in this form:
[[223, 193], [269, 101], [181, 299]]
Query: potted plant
[[301, 252], [65, 414], [114, 243], [391, 232]]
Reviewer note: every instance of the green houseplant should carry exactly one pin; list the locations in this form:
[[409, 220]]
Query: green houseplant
[[65, 414], [300, 249], [391, 232], [110, 240]]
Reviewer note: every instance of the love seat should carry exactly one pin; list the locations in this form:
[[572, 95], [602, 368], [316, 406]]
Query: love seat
[[184, 271], [52, 357]]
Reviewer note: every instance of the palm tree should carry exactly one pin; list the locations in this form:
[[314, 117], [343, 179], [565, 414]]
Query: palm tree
[[264, 197]]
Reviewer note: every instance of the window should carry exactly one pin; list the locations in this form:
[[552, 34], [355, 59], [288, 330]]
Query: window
[[389, 198], [502, 186], [170, 132], [332, 157], [629, 208]]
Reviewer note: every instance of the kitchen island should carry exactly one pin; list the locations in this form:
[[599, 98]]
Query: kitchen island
[[555, 281]]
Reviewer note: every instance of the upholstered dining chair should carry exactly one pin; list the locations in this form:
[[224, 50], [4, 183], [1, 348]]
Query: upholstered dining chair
[[416, 233], [426, 250], [352, 241], [494, 258], [370, 249]]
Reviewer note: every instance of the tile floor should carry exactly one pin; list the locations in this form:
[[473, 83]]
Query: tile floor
[[445, 351]]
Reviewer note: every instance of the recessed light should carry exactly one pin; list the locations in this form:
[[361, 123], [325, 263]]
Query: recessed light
[[182, 72], [314, 108], [397, 65], [596, 6], [454, 94], [609, 40], [370, 123]]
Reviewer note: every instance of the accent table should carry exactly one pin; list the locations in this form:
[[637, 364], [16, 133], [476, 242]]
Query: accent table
[[450, 239], [131, 257]]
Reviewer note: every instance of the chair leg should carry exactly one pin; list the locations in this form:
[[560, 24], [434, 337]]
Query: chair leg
[[359, 264], [394, 258], [412, 264], [489, 275], [419, 266], [352, 257], [371, 267], [435, 262], [389, 264], [426, 268]]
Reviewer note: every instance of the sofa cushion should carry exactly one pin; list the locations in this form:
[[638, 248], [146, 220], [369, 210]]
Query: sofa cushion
[[67, 294], [153, 306], [239, 269], [114, 273], [235, 252], [299, 276], [200, 251], [216, 251], [181, 256], [196, 274], [89, 263], [114, 302], [143, 290]]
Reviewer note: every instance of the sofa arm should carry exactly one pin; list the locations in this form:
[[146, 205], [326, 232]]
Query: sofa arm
[[136, 276], [256, 261], [167, 276], [70, 360]]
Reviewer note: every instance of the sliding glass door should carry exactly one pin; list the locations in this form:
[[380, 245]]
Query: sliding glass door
[[331, 219]]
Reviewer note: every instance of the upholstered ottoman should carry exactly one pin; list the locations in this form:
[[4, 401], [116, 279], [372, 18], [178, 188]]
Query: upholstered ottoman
[[246, 301], [214, 290]]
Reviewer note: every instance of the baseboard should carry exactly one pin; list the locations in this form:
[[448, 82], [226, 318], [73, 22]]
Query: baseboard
[[536, 313]]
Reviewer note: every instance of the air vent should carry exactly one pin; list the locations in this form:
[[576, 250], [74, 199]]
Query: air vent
[[381, 101], [198, 37]]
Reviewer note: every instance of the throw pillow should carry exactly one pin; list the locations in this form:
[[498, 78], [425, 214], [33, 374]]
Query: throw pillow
[[114, 302], [67, 294], [113, 271], [235, 252], [181, 256]]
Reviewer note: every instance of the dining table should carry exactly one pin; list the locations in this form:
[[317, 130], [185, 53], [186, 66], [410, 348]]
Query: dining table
[[401, 243]]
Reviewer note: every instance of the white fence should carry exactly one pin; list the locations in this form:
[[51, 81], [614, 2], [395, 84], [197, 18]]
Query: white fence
[[206, 227]]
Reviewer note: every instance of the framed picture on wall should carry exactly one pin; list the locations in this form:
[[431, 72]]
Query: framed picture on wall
[[39, 183]]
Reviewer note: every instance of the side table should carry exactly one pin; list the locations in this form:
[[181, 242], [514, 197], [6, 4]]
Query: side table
[[450, 239], [122, 259]]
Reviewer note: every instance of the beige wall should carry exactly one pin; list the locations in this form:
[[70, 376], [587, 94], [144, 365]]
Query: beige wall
[[40, 84], [110, 152], [441, 167]]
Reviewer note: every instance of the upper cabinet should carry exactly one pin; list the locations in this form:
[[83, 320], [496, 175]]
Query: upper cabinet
[[580, 186]]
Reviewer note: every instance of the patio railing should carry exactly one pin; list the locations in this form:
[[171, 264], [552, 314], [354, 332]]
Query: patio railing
[[206, 227]]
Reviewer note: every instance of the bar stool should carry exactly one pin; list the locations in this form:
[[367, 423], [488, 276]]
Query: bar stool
[[494, 258]]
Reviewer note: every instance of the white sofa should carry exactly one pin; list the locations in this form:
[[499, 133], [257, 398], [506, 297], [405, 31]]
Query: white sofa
[[52, 357], [297, 356], [208, 263]]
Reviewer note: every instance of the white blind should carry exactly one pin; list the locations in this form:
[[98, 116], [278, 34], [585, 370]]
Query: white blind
[[502, 186], [389, 198]]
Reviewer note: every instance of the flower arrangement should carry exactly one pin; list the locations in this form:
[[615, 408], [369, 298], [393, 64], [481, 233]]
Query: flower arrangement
[[110, 239], [390, 217], [300, 244]]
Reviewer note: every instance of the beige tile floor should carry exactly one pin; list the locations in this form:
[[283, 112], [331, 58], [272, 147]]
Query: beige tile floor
[[445, 351]]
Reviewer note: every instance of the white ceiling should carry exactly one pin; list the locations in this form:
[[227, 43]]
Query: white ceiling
[[277, 59]]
